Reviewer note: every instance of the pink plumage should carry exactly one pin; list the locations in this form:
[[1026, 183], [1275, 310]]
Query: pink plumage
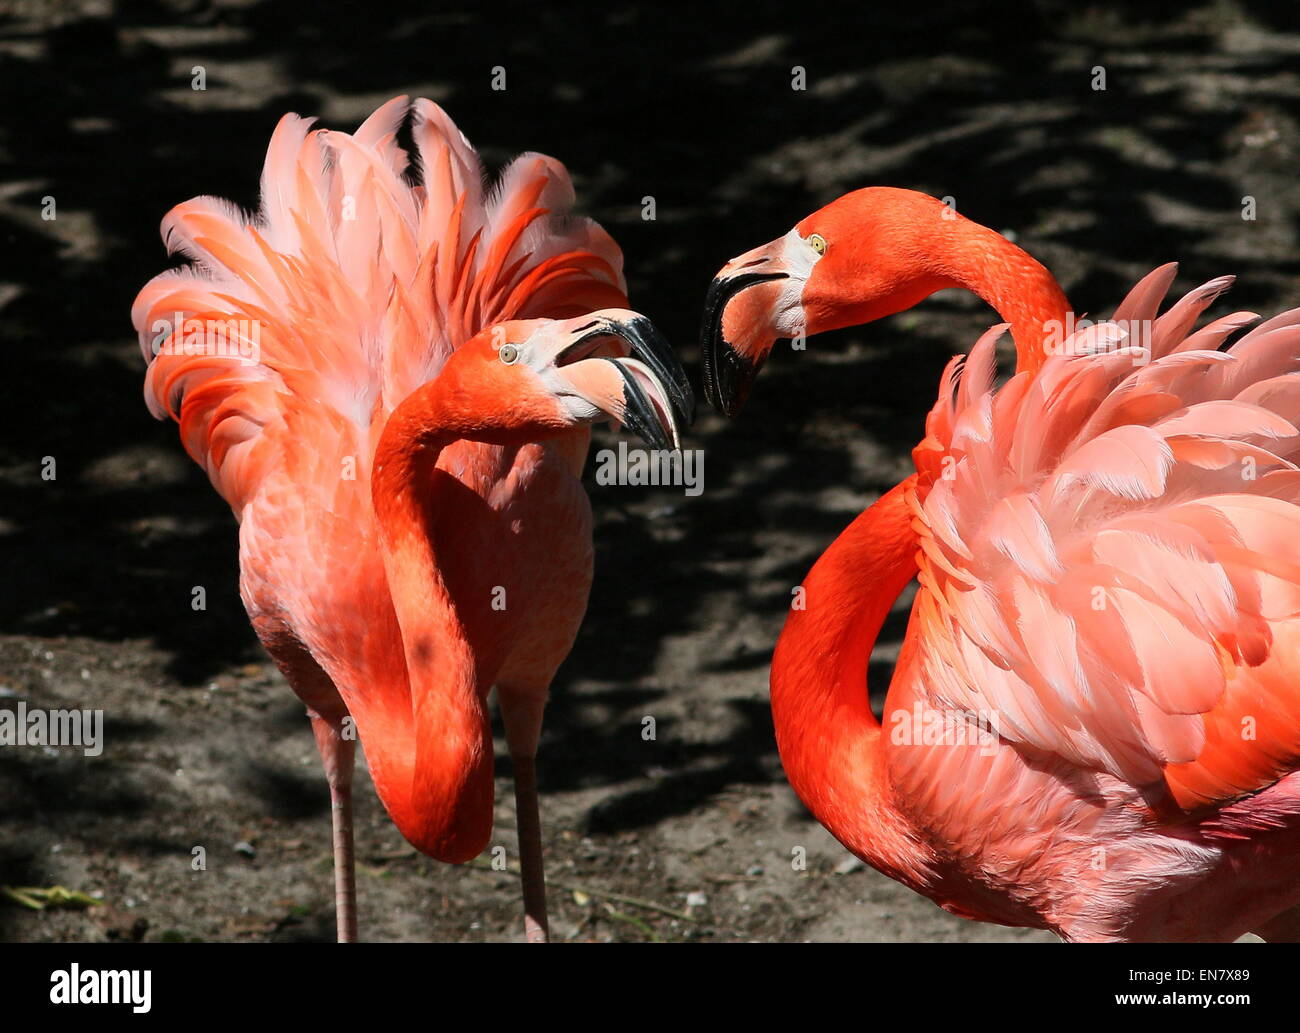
[[360, 284], [361, 276], [1094, 721], [1109, 564]]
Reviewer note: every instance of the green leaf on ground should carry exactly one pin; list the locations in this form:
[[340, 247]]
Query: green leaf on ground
[[40, 899]]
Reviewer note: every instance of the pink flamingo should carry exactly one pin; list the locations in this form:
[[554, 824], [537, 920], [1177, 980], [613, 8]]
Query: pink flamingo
[[391, 384], [1094, 722]]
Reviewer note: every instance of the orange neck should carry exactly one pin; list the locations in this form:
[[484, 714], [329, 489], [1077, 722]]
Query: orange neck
[[830, 741], [1008, 278], [436, 783]]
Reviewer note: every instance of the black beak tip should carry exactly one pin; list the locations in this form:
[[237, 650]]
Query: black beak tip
[[650, 346], [640, 416], [735, 377], [727, 374]]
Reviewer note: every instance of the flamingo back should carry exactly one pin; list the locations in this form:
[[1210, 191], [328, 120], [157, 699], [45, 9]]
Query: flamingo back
[[1110, 549], [363, 269]]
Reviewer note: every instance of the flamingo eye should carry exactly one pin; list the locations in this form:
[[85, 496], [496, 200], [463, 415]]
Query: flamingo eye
[[509, 354], [818, 243]]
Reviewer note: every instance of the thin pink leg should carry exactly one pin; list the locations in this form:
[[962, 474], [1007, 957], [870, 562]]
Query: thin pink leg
[[338, 755], [531, 864], [522, 716]]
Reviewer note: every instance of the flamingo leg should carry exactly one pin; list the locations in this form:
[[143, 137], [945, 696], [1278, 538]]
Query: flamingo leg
[[522, 715], [338, 754], [531, 864]]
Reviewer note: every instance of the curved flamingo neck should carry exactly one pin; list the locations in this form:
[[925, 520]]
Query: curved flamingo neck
[[437, 770], [1015, 284], [830, 741]]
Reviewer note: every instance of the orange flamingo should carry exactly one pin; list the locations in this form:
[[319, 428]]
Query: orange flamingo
[[1094, 721], [389, 374]]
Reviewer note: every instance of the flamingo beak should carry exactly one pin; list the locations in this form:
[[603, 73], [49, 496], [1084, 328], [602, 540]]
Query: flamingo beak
[[737, 335], [646, 391], [647, 345], [641, 413]]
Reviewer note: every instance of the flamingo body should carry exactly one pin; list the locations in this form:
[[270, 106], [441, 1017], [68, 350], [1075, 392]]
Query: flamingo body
[[1094, 722], [314, 585], [364, 273]]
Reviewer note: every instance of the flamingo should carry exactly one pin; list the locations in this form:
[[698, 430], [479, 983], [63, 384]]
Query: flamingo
[[389, 374], [1093, 725]]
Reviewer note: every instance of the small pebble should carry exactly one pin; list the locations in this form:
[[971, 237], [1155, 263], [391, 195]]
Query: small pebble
[[245, 848]]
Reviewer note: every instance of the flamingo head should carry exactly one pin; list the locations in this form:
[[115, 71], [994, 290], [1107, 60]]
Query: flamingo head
[[531, 379], [864, 256]]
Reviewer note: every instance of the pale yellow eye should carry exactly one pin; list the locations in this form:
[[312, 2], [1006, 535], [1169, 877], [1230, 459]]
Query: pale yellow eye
[[818, 243], [508, 353]]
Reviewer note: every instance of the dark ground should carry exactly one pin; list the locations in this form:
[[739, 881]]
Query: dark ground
[[990, 104]]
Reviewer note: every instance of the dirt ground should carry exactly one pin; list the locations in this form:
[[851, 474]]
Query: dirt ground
[[206, 746]]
